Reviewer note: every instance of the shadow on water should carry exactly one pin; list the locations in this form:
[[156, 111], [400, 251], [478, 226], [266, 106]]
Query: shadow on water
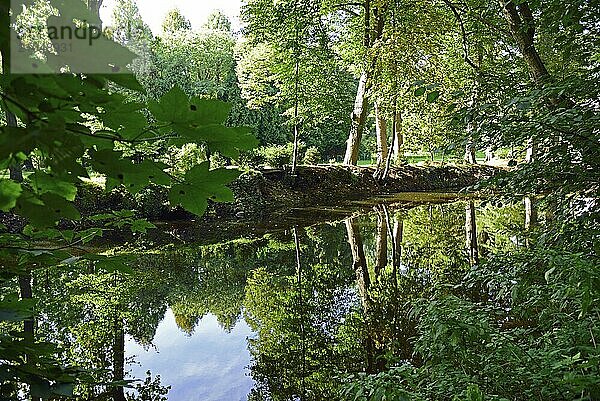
[[278, 311]]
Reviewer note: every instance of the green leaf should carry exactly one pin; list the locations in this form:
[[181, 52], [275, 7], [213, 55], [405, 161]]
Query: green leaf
[[433, 96], [141, 226], [44, 183], [128, 81], [122, 171], [17, 139], [420, 91], [172, 107], [206, 111], [13, 309], [202, 184], [45, 210], [9, 193], [226, 140], [127, 121]]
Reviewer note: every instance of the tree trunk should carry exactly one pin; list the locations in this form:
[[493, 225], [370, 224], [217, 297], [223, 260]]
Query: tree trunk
[[471, 234], [373, 355], [530, 212], [470, 152], [94, 6], [361, 104], [15, 168], [529, 157], [398, 235], [381, 133], [398, 137], [301, 308], [359, 119], [470, 145], [522, 27], [27, 293]]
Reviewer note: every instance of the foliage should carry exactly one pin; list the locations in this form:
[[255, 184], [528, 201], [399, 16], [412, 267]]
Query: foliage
[[218, 21], [279, 156], [78, 123], [288, 60], [175, 22]]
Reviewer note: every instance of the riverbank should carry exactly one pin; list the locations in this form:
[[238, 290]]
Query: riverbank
[[260, 193], [276, 195]]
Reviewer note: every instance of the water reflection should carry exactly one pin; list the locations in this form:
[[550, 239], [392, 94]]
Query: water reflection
[[209, 365], [281, 317]]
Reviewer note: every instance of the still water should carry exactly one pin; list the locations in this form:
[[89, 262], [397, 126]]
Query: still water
[[285, 314], [210, 364]]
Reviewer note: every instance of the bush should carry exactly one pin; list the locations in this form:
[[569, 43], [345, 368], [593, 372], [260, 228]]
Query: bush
[[312, 156], [278, 156]]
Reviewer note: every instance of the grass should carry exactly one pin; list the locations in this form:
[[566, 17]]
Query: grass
[[418, 158]]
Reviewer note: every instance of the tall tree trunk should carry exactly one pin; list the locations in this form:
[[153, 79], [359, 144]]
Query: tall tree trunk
[[470, 151], [529, 157], [522, 27], [381, 133], [398, 235], [15, 169], [470, 157], [471, 233], [26, 292], [398, 137], [301, 306], [359, 261], [530, 212], [361, 104], [94, 6], [359, 119]]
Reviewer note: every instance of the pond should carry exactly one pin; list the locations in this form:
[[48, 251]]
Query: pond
[[285, 312]]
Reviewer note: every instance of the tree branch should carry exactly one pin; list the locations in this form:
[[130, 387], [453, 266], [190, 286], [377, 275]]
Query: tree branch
[[465, 43]]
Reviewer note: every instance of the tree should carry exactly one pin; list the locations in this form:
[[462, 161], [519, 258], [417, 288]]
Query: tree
[[175, 22], [217, 21], [128, 28], [76, 122], [303, 75]]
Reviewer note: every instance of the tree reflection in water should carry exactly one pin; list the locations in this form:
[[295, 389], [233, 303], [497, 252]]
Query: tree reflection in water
[[324, 301]]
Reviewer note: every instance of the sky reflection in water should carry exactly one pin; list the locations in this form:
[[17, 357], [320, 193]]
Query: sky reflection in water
[[210, 365]]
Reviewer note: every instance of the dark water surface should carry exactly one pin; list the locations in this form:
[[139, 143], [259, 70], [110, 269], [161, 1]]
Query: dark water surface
[[284, 314]]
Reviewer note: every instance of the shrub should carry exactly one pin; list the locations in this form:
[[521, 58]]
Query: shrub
[[276, 156], [279, 156], [311, 156]]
